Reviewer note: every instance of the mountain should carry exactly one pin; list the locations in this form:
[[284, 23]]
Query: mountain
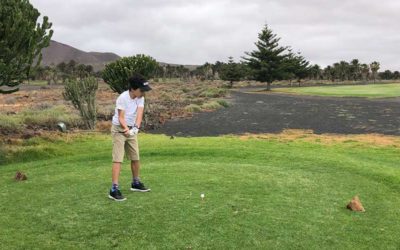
[[59, 52]]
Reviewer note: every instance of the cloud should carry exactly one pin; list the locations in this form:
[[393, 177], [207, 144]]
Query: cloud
[[199, 31]]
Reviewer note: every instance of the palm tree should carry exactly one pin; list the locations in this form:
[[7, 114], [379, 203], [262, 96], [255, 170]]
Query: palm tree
[[329, 73], [365, 71], [374, 69], [355, 69], [315, 72], [396, 75], [344, 69]]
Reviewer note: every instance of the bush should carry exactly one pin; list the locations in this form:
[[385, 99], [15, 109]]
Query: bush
[[213, 92], [193, 108], [211, 105], [223, 103]]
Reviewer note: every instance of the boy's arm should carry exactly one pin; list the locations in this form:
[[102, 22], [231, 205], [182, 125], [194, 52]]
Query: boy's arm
[[139, 116], [122, 122]]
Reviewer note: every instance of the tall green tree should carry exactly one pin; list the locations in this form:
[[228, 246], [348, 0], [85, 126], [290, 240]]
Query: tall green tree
[[355, 69], [386, 75], [342, 70], [364, 71], [231, 72], [217, 68], [22, 39], [315, 72], [396, 75], [303, 67], [329, 73], [374, 66], [296, 67], [268, 60], [204, 72]]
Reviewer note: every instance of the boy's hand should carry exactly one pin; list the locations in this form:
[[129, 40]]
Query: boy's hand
[[126, 132], [134, 131]]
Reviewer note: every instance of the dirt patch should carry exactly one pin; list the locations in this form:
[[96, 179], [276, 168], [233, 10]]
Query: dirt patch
[[274, 113]]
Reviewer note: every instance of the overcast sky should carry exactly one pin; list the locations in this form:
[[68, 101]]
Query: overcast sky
[[199, 31]]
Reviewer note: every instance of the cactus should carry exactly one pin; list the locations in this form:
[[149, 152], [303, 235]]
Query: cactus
[[82, 94], [116, 74]]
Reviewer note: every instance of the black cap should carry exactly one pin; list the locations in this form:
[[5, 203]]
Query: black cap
[[137, 81], [145, 87]]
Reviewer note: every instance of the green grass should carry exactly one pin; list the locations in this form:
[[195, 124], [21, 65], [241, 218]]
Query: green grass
[[259, 194], [369, 91]]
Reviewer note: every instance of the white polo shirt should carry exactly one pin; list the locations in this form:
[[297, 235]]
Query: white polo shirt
[[130, 106]]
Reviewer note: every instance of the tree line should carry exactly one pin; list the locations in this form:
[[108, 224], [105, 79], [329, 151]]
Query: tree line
[[20, 57], [60, 73]]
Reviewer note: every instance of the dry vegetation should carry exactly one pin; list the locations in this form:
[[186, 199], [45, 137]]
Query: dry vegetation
[[35, 109], [290, 135]]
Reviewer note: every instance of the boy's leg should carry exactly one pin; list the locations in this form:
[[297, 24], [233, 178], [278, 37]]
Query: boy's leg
[[132, 150], [137, 185], [135, 167], [116, 169], [118, 156]]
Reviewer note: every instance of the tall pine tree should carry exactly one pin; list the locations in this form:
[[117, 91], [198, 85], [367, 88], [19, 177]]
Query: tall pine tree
[[296, 67], [268, 60], [21, 42], [231, 72]]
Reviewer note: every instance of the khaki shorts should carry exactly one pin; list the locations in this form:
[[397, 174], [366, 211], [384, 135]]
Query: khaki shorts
[[123, 144]]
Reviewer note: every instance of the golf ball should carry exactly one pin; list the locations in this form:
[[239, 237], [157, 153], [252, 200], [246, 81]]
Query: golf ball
[[202, 196]]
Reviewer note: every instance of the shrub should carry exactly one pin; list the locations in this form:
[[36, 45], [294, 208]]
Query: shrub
[[193, 108], [211, 105], [223, 103], [213, 92], [10, 124]]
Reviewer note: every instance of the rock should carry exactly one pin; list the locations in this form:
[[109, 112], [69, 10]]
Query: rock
[[19, 176], [355, 205]]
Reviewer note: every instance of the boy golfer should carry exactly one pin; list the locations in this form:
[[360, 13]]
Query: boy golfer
[[125, 127]]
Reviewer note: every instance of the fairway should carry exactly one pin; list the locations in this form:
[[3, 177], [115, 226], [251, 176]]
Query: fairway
[[369, 91], [259, 194]]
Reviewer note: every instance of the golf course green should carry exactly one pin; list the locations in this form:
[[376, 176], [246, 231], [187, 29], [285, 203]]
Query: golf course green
[[259, 194], [369, 91]]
